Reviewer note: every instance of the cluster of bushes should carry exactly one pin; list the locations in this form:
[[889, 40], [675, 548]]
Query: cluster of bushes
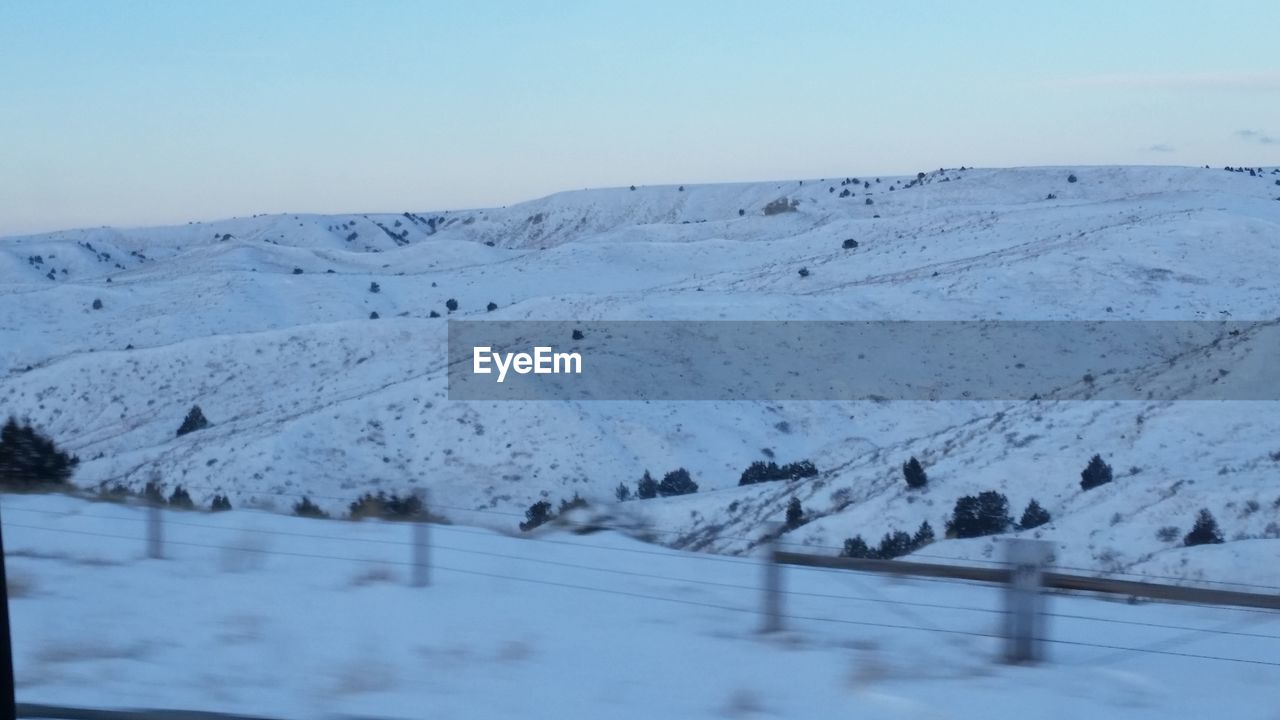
[[760, 471], [387, 507], [892, 545], [153, 494], [676, 482], [541, 512]]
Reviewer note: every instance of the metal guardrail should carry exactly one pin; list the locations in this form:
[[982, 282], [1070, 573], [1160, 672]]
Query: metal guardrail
[[1057, 581]]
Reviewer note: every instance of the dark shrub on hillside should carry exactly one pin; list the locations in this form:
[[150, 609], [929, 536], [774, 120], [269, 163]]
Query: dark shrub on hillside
[[647, 487], [1168, 533], [849, 244], [574, 504], [795, 514], [870, 201], [622, 492], [1205, 531], [914, 474], [306, 508], [1072, 178], [537, 514], [577, 334], [742, 212], [1095, 473], [97, 304], [374, 315], [451, 304], [856, 547], [220, 503], [116, 492], [1034, 516], [195, 420], [375, 287], [923, 536], [434, 314], [491, 307], [984, 514], [297, 271], [181, 499], [804, 272], [29, 460], [781, 205], [677, 482], [387, 507]]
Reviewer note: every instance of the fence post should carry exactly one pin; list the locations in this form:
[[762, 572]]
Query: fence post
[[1024, 597], [8, 710], [421, 544], [772, 581], [155, 532]]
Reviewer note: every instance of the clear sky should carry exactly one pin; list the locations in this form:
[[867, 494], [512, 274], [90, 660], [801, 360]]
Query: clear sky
[[126, 112]]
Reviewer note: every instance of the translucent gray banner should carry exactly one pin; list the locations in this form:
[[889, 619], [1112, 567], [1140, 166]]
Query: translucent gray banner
[[874, 360]]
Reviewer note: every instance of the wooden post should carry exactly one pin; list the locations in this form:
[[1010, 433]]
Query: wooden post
[[772, 581], [421, 545], [155, 532], [1024, 621]]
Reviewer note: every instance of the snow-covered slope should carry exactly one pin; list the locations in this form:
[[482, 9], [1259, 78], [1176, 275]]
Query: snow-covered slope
[[265, 323], [565, 626]]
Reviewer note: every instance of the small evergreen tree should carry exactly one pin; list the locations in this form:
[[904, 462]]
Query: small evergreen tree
[[623, 493], [491, 307], [1205, 531], [537, 514], [677, 482], [856, 547], [195, 420], [1034, 516], [306, 508], [1095, 473], [374, 315], [375, 287], [451, 304], [923, 536], [795, 514], [181, 499], [97, 304], [30, 460], [914, 474], [647, 488], [220, 503]]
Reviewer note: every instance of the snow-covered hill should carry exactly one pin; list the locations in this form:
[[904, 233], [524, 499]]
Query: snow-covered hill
[[266, 323]]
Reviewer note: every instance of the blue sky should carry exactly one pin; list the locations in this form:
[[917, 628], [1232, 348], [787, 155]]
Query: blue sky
[[128, 112]]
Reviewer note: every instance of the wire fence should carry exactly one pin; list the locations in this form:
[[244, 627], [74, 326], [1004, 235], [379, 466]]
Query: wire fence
[[911, 612], [752, 542]]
